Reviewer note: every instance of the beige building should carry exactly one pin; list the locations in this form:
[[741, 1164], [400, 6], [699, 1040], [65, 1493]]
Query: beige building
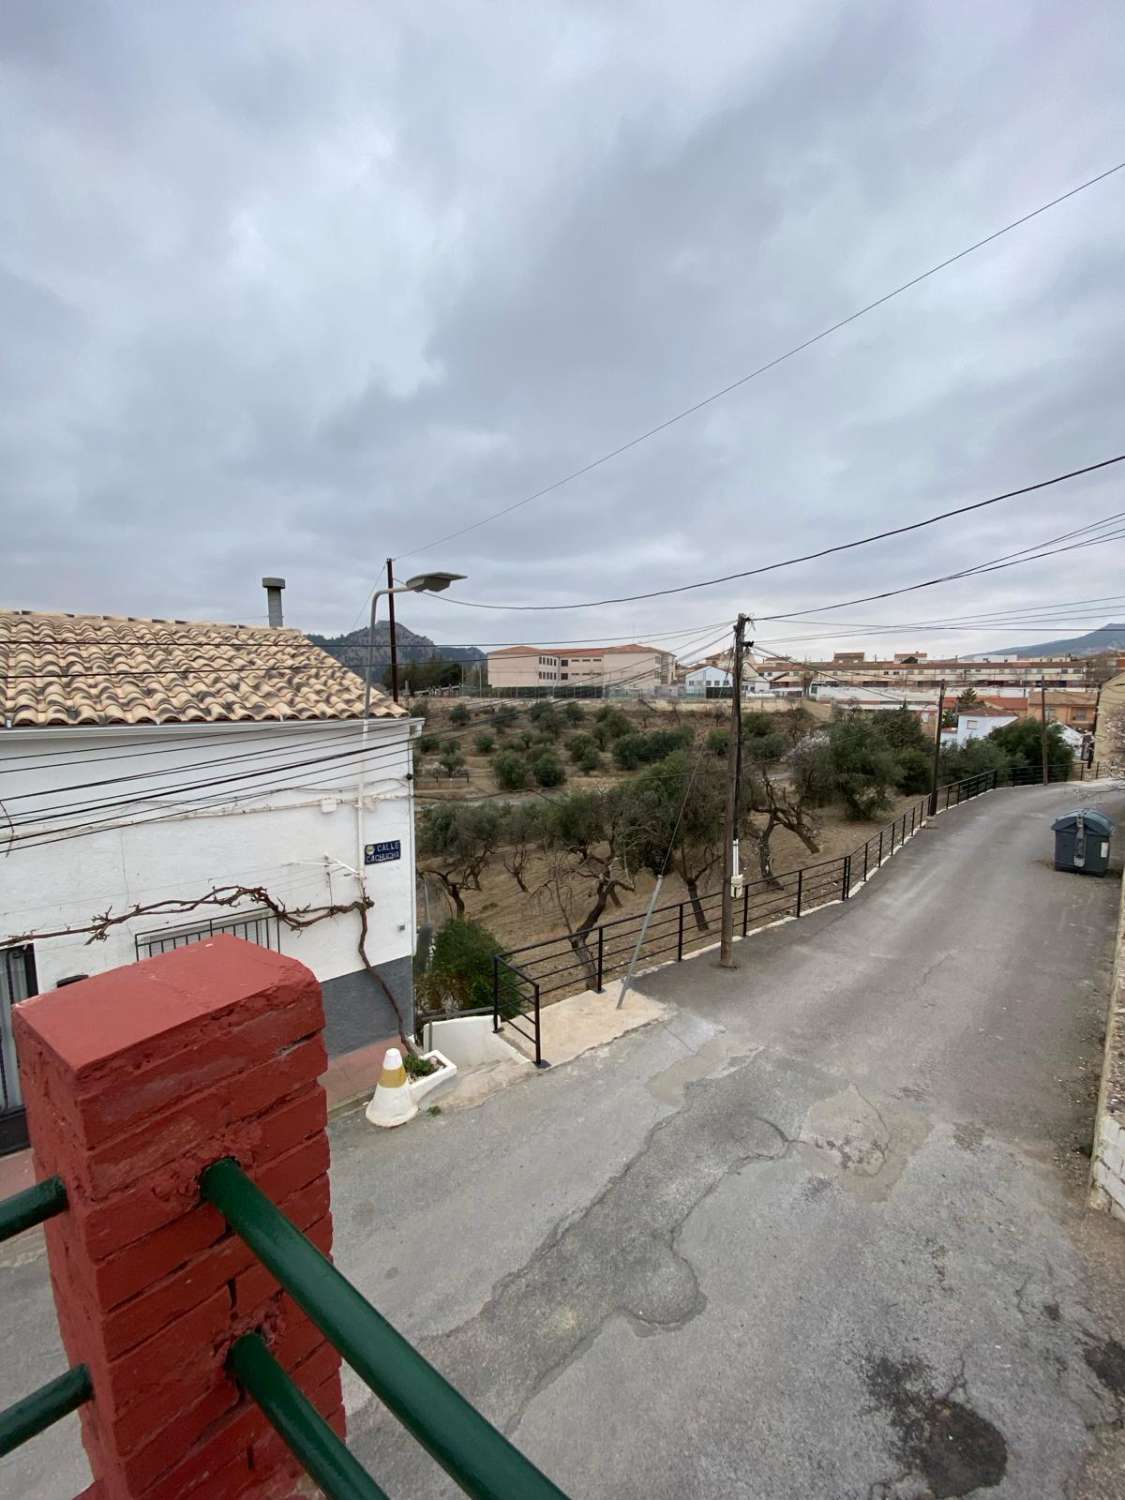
[[916, 670], [609, 669]]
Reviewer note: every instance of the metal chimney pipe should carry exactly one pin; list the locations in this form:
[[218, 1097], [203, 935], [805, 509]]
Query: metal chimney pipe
[[273, 588]]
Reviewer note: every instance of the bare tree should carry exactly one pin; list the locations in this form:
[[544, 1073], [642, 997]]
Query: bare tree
[[585, 837], [456, 842]]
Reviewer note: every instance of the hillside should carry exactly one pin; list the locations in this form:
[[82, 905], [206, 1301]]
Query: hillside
[[351, 649], [1109, 637]]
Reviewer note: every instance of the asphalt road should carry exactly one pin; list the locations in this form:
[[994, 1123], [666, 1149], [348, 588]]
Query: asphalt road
[[821, 1233]]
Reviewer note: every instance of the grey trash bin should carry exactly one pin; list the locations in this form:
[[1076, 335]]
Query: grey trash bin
[[1082, 841]]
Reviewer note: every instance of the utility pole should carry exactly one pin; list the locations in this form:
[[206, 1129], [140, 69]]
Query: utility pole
[[730, 822], [391, 618], [937, 749], [1043, 727]]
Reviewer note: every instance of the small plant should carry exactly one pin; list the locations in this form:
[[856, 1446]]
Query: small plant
[[511, 772], [459, 714], [547, 769], [451, 758], [573, 712], [428, 744], [589, 761], [485, 743], [418, 1066]]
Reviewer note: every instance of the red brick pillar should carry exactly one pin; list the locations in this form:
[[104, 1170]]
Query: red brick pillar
[[135, 1081]]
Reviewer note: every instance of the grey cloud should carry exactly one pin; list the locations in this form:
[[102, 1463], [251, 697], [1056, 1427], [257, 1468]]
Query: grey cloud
[[291, 288]]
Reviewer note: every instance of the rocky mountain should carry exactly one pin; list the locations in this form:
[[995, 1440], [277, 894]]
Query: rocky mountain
[[1108, 638], [351, 649]]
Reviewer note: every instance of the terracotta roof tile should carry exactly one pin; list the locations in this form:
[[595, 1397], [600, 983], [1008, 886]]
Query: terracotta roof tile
[[61, 669]]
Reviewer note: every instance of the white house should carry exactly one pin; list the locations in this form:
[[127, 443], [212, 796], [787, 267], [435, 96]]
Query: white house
[[978, 724], [190, 778], [698, 679]]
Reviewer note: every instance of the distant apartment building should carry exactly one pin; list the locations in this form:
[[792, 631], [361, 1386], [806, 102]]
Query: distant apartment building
[[626, 669], [914, 670]]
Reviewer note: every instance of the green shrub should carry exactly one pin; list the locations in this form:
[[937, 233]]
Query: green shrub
[[640, 749], [589, 761], [579, 745], [511, 771], [485, 743], [459, 714], [609, 724], [866, 767], [505, 716], [718, 741], [428, 744], [573, 712], [915, 769], [460, 972], [547, 769]]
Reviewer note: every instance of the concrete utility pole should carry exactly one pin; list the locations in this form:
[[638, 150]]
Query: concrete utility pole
[[1043, 727], [730, 822], [391, 620], [937, 749]]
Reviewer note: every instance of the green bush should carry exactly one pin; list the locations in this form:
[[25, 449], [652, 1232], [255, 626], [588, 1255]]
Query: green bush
[[460, 972], [544, 716], [459, 714], [609, 724], [428, 744], [547, 769], [511, 772], [451, 758], [579, 745], [866, 767], [1022, 742], [718, 741], [485, 743], [632, 751], [573, 712], [505, 716], [915, 769], [589, 761]]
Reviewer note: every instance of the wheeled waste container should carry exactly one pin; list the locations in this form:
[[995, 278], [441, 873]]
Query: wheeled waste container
[[1082, 841]]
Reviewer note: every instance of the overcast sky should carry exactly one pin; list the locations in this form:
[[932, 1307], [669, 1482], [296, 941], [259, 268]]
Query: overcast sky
[[289, 287]]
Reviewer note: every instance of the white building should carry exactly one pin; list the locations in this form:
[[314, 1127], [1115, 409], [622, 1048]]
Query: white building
[[158, 770], [698, 679], [979, 723]]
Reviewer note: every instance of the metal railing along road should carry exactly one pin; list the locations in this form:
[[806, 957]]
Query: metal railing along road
[[478, 1457], [516, 1003], [587, 959], [59, 1397]]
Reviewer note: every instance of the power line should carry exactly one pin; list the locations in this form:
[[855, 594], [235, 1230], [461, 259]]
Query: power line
[[993, 566], [771, 364], [790, 562]]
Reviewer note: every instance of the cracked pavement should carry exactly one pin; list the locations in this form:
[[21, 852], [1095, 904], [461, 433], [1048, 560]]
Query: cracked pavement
[[820, 1233]]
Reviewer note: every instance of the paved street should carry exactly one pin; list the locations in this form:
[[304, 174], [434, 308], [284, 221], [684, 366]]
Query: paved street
[[820, 1233]]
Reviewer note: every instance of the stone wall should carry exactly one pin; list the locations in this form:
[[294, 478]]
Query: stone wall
[[1107, 1175]]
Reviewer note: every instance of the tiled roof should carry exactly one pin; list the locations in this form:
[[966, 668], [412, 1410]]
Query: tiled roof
[[61, 669]]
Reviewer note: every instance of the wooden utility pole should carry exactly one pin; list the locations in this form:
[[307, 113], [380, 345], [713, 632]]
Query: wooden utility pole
[[937, 749], [391, 619], [730, 822], [1043, 727]]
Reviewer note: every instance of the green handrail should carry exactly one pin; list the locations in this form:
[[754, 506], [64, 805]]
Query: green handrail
[[307, 1434], [48, 1404], [469, 1448], [31, 1206]]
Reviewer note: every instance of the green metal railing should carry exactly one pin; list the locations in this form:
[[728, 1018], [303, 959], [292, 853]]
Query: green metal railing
[[59, 1397], [477, 1456]]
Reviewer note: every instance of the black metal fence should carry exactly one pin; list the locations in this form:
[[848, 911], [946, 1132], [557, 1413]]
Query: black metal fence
[[586, 960]]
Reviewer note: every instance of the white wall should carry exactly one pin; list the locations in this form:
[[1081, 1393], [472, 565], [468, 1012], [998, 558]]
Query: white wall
[[980, 726], [281, 829]]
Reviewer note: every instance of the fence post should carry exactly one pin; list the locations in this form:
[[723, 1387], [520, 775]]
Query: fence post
[[136, 1080], [866, 846], [496, 992], [880, 863], [800, 885], [539, 1063], [601, 959], [846, 878], [745, 908], [680, 934], [892, 837]]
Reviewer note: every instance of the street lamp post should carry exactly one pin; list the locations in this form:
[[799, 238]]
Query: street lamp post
[[423, 583]]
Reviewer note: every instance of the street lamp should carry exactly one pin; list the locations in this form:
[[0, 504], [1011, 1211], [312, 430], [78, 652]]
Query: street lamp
[[421, 583]]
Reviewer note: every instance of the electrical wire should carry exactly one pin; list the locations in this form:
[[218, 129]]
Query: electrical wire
[[771, 364], [790, 562]]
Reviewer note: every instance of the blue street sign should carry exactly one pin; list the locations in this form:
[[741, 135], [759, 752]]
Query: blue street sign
[[381, 854]]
